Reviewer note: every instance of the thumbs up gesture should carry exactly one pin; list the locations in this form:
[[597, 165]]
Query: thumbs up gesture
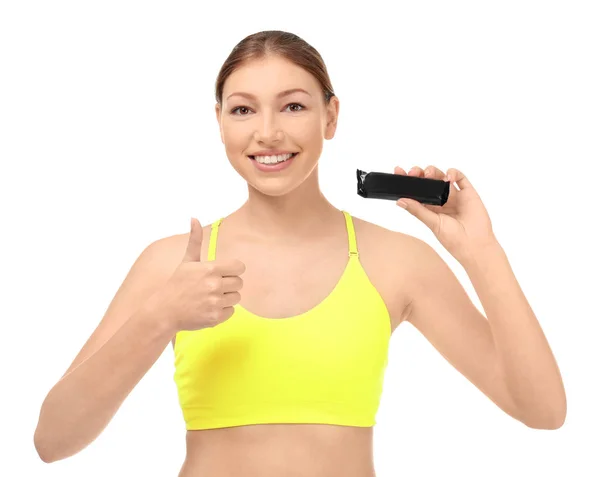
[[201, 294]]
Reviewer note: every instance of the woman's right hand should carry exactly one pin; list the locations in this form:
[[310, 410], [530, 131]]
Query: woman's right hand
[[200, 294]]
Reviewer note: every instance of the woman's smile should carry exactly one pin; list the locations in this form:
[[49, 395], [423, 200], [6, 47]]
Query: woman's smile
[[278, 166]]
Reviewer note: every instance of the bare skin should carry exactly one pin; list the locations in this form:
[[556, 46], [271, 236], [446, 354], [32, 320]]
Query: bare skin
[[287, 231], [296, 449]]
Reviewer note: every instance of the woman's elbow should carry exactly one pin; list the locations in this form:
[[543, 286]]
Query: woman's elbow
[[42, 448]]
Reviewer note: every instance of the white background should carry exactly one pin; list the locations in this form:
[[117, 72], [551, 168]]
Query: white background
[[108, 141]]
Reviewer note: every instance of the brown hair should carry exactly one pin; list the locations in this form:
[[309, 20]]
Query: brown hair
[[287, 45]]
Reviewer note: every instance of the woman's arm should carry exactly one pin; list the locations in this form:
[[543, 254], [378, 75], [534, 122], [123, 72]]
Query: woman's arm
[[525, 358], [82, 403], [506, 355], [128, 340]]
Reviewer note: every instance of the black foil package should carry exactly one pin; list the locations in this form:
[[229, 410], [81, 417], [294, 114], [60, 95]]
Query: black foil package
[[381, 185]]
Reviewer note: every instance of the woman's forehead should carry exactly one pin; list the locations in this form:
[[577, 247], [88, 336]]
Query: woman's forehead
[[270, 78]]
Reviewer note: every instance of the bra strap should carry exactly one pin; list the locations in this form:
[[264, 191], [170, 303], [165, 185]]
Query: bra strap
[[212, 244], [352, 248]]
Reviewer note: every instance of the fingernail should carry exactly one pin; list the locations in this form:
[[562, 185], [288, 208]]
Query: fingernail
[[402, 204]]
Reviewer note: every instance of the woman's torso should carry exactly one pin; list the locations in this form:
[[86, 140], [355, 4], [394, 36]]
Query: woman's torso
[[316, 450]]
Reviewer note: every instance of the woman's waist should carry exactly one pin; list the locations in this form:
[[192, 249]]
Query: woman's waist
[[301, 450]]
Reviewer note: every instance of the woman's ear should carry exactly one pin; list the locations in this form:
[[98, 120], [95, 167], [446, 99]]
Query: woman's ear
[[218, 113], [332, 113]]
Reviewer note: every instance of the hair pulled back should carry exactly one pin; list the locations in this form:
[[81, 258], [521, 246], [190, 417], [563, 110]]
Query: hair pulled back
[[275, 42]]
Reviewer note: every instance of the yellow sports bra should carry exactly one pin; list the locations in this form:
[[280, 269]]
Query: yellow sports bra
[[323, 366]]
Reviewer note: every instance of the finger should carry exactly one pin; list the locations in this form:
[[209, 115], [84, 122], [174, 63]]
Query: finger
[[432, 172], [461, 180], [399, 170], [192, 252], [232, 284], [416, 171], [231, 299], [230, 268]]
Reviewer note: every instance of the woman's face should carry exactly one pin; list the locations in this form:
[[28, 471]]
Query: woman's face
[[262, 118]]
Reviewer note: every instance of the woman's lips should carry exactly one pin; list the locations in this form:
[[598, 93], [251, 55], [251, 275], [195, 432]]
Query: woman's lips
[[272, 167], [294, 154]]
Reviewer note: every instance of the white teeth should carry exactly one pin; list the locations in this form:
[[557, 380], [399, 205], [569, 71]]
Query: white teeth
[[273, 159]]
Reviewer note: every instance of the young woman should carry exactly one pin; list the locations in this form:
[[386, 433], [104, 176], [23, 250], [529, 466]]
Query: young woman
[[281, 372]]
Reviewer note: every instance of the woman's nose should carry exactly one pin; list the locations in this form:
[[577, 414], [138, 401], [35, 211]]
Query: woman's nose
[[268, 130]]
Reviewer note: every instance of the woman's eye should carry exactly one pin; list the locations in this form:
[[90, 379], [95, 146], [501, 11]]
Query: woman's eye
[[296, 104], [240, 108]]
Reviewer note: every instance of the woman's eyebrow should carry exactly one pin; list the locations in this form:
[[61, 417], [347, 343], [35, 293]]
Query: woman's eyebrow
[[279, 95]]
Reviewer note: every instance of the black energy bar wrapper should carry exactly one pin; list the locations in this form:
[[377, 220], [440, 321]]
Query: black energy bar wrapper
[[382, 185]]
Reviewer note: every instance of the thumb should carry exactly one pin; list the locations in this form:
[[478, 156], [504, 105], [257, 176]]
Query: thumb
[[192, 253]]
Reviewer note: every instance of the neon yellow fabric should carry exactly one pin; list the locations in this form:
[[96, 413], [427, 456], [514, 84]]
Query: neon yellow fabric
[[324, 366]]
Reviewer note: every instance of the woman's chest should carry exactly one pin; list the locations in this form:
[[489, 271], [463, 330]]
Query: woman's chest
[[279, 285]]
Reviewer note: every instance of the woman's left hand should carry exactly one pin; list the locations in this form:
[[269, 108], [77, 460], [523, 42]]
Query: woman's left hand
[[462, 223]]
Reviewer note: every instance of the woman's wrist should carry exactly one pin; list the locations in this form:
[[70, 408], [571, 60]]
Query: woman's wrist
[[155, 314]]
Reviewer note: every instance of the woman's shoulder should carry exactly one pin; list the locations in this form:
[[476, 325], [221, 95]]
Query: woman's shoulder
[[390, 258], [172, 248], [396, 254], [384, 238]]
